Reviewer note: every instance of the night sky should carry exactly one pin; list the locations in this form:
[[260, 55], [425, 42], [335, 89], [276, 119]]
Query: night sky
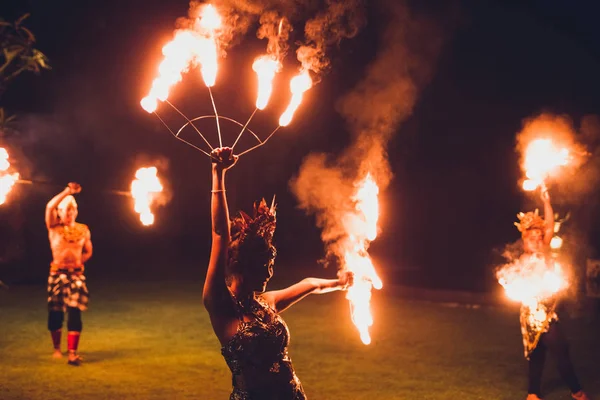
[[454, 194]]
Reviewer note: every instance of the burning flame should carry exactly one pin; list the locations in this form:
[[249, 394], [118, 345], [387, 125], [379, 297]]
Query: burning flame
[[362, 227], [7, 180], [144, 190], [188, 47], [210, 20], [265, 67], [298, 85], [556, 243], [542, 158], [531, 281]]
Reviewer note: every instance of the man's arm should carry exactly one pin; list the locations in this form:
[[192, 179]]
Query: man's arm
[[87, 248], [51, 215]]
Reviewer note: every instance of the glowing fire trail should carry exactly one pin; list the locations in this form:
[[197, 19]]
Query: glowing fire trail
[[265, 67], [7, 180], [210, 21], [362, 228], [298, 85], [188, 48], [145, 190], [542, 159], [531, 281]]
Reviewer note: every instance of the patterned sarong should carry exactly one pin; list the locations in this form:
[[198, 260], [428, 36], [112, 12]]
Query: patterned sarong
[[536, 322], [67, 289]]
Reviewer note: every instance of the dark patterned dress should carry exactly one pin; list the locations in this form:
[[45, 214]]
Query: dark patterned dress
[[536, 322], [257, 355]]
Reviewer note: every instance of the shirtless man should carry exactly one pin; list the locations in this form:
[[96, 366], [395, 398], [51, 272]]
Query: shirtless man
[[71, 247]]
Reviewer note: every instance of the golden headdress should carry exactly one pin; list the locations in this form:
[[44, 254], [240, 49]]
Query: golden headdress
[[252, 237], [262, 224], [529, 220]]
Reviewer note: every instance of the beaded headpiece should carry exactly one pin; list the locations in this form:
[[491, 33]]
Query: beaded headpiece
[[529, 220], [262, 224]]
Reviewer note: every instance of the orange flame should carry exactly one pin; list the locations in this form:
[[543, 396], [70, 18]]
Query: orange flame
[[178, 56], [542, 158], [556, 243], [265, 67], [298, 85], [210, 21], [188, 48], [145, 190], [362, 227], [7, 180], [530, 281]]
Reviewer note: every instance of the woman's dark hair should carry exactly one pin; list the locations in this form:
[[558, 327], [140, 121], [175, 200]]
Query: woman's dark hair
[[252, 239]]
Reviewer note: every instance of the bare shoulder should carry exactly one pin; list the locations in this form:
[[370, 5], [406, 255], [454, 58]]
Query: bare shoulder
[[53, 229], [83, 228], [268, 299]]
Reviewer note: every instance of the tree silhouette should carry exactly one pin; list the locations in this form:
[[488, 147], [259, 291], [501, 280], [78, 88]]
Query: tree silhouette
[[18, 55]]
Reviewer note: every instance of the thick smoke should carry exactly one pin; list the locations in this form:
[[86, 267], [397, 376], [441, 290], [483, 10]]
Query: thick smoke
[[276, 29], [341, 19], [327, 23], [576, 182], [373, 110]]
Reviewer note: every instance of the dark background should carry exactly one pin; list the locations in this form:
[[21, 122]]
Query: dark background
[[455, 190]]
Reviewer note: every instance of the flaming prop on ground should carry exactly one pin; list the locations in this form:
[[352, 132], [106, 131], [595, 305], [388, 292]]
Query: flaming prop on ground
[[198, 46], [145, 189], [542, 159], [362, 229], [7, 180], [532, 281]]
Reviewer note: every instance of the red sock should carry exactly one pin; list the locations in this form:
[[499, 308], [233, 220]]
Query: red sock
[[73, 341], [56, 338]]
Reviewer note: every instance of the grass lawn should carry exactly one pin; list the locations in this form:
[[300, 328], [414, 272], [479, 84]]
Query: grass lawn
[[154, 341]]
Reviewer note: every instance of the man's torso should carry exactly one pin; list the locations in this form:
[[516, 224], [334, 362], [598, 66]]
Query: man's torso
[[66, 243]]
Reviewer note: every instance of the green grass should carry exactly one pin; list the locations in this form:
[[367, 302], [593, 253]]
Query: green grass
[[154, 341]]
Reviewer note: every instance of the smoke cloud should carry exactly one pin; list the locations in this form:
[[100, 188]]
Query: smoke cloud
[[575, 182], [407, 49], [276, 29], [342, 19], [331, 21]]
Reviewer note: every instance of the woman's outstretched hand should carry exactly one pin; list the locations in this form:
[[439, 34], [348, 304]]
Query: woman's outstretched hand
[[223, 158], [345, 279]]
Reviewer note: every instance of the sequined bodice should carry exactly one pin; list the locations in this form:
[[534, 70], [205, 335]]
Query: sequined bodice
[[257, 354]]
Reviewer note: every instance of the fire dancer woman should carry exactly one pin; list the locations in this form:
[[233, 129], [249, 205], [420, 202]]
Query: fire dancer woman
[[71, 247], [244, 317], [537, 234]]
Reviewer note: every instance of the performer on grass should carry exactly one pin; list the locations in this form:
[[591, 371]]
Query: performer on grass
[[245, 318], [71, 247], [538, 339]]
